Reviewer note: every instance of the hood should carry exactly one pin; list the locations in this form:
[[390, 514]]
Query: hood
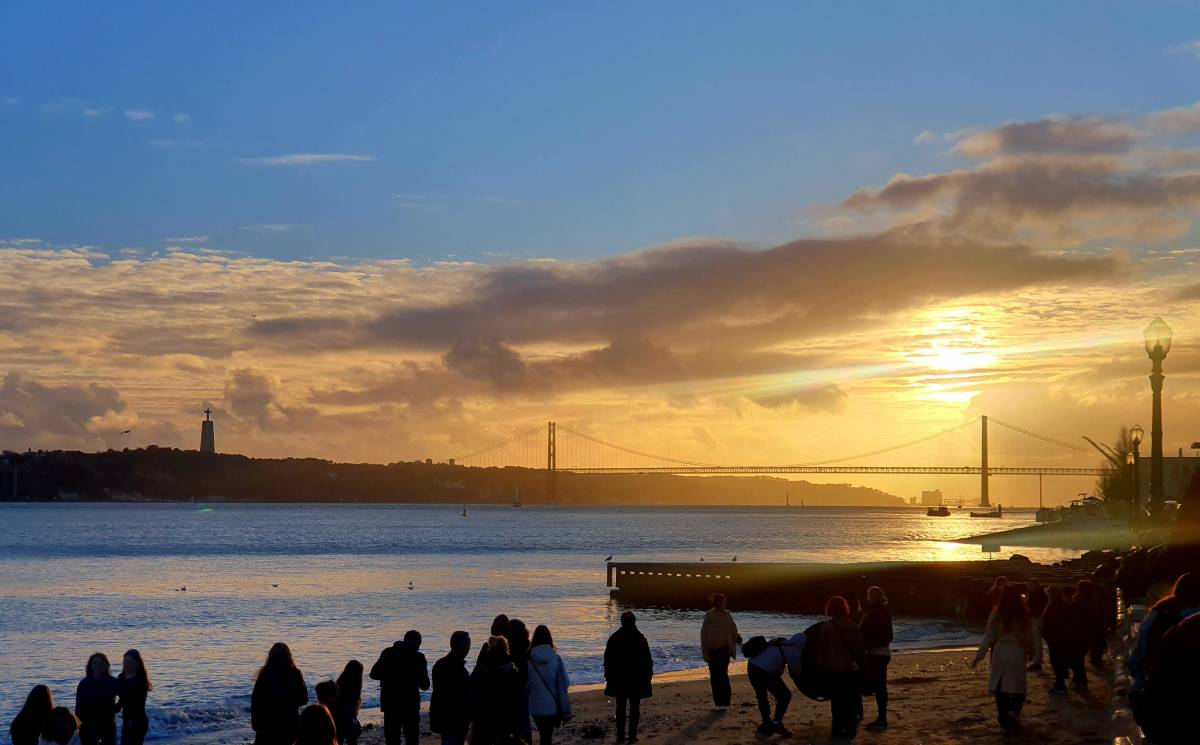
[[542, 654]]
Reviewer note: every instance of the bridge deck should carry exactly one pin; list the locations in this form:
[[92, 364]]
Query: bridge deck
[[948, 470]]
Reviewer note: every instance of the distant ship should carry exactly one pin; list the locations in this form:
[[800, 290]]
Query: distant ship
[[939, 511], [998, 512]]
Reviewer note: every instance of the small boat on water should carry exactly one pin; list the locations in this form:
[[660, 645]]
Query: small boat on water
[[998, 512], [939, 511], [464, 511]]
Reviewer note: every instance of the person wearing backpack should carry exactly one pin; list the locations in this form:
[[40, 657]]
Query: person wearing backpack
[[719, 640], [549, 700], [840, 661], [402, 673], [767, 659]]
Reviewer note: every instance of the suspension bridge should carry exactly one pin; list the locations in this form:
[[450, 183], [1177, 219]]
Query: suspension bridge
[[559, 448]]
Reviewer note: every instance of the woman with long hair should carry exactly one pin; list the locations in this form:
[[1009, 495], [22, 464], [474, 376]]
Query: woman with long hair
[[1009, 637], [549, 700], [315, 727], [719, 640], [32, 718], [877, 635], [348, 702], [279, 691], [62, 728], [840, 659], [96, 703], [518, 647], [132, 686]]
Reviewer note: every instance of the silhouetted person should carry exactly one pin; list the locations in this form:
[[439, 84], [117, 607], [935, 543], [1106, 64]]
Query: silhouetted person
[[500, 627], [316, 726], [1009, 637], [96, 703], [133, 685], [279, 692], [1062, 640], [402, 674], [348, 702], [549, 699], [628, 670], [497, 697], [1173, 686], [518, 647], [840, 659], [32, 718], [719, 641], [765, 672], [327, 693], [1088, 623], [1106, 614], [450, 702], [877, 635], [1036, 602], [62, 728], [997, 591], [1183, 601]]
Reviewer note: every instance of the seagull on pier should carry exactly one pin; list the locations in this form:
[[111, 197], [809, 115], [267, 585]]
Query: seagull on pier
[[735, 557], [410, 586]]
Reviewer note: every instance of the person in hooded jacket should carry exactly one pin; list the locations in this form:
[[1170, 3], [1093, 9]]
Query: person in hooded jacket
[[450, 702], [877, 635], [32, 717], [549, 699], [279, 692], [96, 703], [496, 695], [628, 670], [402, 673], [765, 671]]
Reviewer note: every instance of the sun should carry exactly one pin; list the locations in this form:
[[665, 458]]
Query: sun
[[949, 359]]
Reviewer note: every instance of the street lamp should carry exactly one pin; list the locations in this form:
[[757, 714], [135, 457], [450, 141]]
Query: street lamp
[[1136, 435], [1133, 505], [1158, 343]]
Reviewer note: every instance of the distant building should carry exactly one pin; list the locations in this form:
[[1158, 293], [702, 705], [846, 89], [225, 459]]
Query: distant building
[[208, 438], [429, 461], [931, 498], [1177, 474], [912, 500]]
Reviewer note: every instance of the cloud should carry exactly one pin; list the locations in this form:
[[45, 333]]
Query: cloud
[[1084, 136], [138, 115], [275, 227], [1187, 48], [67, 415], [828, 397], [188, 239], [304, 159], [182, 118], [10, 101], [1190, 292], [925, 138], [93, 112]]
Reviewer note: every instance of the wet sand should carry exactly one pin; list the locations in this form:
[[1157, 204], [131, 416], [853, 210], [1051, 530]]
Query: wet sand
[[935, 698]]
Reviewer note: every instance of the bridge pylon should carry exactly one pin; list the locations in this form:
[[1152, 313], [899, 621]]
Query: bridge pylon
[[551, 463], [983, 467]]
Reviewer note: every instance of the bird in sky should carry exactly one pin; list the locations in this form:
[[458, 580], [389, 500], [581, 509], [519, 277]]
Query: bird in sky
[[609, 557], [126, 431]]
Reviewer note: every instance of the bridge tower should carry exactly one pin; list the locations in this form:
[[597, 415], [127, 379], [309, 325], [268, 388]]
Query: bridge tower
[[983, 469], [551, 464]]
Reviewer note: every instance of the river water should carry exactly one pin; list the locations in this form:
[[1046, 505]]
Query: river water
[[333, 582]]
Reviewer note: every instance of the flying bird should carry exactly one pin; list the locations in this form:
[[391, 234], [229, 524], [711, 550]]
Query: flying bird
[[410, 586], [126, 431], [609, 557], [276, 584]]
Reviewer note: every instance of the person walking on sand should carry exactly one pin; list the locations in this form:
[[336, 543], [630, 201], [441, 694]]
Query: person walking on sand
[[549, 697], [840, 660], [1062, 643], [1087, 624], [33, 716], [765, 672], [877, 635], [449, 704], [402, 673], [96, 703], [628, 671], [496, 695], [133, 685], [1009, 637], [1036, 602], [348, 702], [279, 692], [719, 641]]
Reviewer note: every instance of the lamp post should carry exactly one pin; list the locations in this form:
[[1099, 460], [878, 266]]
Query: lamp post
[[1136, 434], [1132, 485], [1158, 343]]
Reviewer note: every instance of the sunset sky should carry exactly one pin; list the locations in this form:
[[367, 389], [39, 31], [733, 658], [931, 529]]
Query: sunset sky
[[726, 233]]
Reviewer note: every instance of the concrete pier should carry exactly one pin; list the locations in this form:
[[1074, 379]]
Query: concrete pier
[[914, 588]]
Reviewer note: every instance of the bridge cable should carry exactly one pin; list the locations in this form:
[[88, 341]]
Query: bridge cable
[[631, 451], [887, 449], [497, 446], [1043, 438]]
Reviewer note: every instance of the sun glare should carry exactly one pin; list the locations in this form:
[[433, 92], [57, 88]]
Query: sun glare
[[957, 360]]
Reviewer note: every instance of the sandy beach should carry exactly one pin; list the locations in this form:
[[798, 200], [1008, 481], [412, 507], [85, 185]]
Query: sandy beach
[[935, 698]]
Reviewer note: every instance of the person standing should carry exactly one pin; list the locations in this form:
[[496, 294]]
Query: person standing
[[765, 672], [1009, 637], [840, 659], [518, 647], [549, 696], [96, 703], [449, 704], [1058, 632], [33, 716], [719, 641], [1087, 629], [628, 671], [348, 702], [496, 695], [877, 635], [402, 673], [133, 685], [1036, 602], [316, 727], [279, 692]]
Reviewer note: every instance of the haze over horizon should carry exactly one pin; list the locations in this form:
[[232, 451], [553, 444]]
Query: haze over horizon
[[721, 234]]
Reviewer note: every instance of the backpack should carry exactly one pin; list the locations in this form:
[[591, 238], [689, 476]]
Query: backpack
[[810, 682], [754, 646]]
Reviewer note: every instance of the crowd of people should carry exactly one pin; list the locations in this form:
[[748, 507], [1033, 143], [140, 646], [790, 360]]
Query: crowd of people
[[519, 683]]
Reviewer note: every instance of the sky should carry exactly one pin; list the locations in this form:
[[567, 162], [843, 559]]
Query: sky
[[727, 233]]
